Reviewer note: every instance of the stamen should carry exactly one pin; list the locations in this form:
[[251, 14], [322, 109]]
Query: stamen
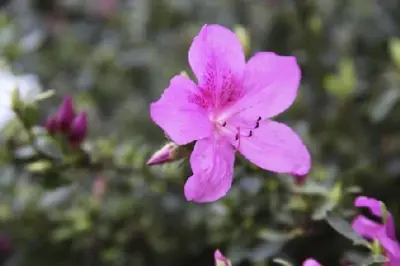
[[237, 136], [224, 124], [259, 119], [250, 134], [257, 125]]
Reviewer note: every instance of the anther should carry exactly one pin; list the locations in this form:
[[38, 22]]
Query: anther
[[224, 124], [257, 125], [250, 133], [237, 137], [259, 119]]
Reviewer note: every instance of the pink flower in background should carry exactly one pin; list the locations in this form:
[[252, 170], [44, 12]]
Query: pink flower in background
[[106, 8], [78, 129], [228, 110], [384, 233], [221, 260], [66, 114], [67, 123], [311, 262]]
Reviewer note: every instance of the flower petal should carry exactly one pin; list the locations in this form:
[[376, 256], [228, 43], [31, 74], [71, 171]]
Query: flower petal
[[221, 260], [392, 247], [276, 147], [217, 59], [219, 43], [367, 228], [375, 206], [212, 165], [311, 262], [270, 85], [182, 119], [372, 204]]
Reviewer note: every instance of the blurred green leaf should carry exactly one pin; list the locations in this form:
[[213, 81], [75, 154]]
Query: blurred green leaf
[[382, 105], [394, 50], [343, 84], [52, 199], [282, 262], [39, 166], [344, 228]]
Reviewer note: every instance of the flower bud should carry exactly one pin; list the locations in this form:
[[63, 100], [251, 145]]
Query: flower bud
[[170, 152], [51, 124], [220, 259], [78, 129], [66, 114]]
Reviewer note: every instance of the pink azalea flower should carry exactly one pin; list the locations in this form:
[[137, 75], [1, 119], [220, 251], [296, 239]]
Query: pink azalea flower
[[311, 262], [228, 110], [384, 233], [220, 259]]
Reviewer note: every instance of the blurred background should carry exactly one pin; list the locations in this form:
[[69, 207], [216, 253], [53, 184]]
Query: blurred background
[[114, 57]]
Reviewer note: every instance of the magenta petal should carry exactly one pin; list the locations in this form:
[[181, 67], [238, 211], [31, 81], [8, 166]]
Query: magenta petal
[[375, 207], [311, 262], [220, 259], [218, 61], [367, 228], [212, 165], [270, 85], [392, 247], [276, 147], [183, 120], [216, 45], [372, 204]]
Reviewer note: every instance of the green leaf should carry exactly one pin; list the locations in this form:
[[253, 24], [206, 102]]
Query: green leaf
[[344, 228], [282, 262], [265, 250], [54, 198], [394, 50], [383, 104], [30, 114], [39, 166], [374, 260], [343, 84]]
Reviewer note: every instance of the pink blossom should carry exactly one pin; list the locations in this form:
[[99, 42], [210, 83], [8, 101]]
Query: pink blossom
[[78, 129], [66, 114], [311, 262], [228, 110], [51, 124], [384, 233], [221, 260]]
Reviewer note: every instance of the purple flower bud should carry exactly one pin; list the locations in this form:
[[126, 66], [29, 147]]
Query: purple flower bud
[[164, 155], [78, 129], [51, 124], [170, 152], [66, 114], [220, 259]]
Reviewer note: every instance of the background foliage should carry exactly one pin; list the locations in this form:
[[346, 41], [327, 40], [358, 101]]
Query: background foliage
[[115, 57]]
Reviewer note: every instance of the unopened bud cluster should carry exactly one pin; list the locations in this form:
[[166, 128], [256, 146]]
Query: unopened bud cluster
[[67, 123]]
